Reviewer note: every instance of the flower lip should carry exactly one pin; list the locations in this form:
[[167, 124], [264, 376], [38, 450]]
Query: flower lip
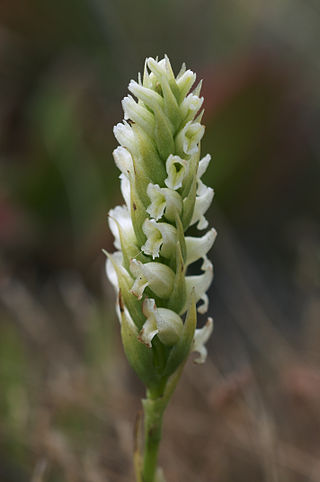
[[176, 170], [161, 239]]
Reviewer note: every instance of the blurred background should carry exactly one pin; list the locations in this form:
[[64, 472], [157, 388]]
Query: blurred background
[[68, 398]]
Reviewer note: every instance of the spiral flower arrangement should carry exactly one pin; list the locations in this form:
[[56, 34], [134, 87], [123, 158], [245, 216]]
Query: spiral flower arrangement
[[157, 301]]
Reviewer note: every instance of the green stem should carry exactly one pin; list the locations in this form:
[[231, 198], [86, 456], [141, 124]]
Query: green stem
[[153, 414], [154, 406]]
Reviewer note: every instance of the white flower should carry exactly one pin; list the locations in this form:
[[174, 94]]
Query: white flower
[[176, 170], [160, 321], [190, 105], [189, 137], [163, 201], [157, 276], [161, 239], [201, 337]]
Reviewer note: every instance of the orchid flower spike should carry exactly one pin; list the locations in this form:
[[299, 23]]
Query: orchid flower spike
[[164, 194], [161, 169]]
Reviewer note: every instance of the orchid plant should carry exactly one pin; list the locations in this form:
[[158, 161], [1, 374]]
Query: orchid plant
[[157, 301]]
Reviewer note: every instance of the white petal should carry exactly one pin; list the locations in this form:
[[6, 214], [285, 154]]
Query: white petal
[[148, 331], [202, 204], [120, 214], [139, 285], [111, 272], [203, 165], [123, 160], [198, 247], [124, 134], [200, 283], [201, 337], [125, 189]]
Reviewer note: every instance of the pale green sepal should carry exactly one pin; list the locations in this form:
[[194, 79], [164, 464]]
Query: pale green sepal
[[191, 173], [181, 71], [181, 350], [149, 158], [125, 282], [149, 97], [139, 356], [170, 104], [199, 116], [138, 215], [139, 114], [163, 134], [128, 248], [177, 299], [140, 181], [185, 81], [171, 78], [188, 204], [181, 237], [197, 89]]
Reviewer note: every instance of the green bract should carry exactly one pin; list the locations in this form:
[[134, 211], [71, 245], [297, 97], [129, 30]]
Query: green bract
[[161, 170]]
